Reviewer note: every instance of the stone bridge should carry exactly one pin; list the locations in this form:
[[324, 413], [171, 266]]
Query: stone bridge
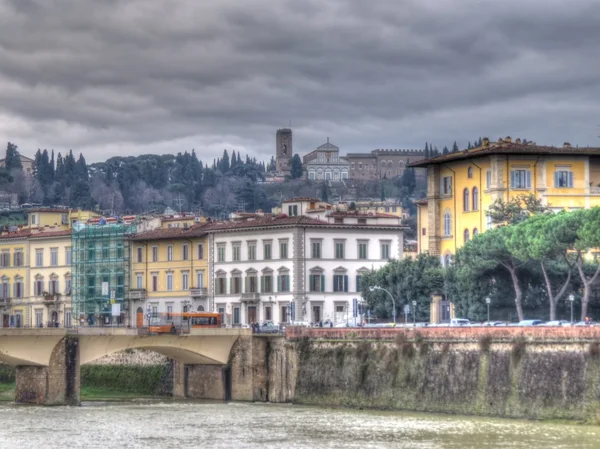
[[47, 361]]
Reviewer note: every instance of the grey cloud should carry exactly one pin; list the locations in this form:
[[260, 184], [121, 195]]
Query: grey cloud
[[114, 77]]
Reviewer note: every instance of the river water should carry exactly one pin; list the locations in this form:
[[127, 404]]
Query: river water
[[219, 425]]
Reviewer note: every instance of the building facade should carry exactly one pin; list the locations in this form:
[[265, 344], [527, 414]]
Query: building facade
[[380, 164], [325, 163], [461, 187]]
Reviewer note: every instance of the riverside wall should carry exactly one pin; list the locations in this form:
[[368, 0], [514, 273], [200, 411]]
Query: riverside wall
[[544, 373]]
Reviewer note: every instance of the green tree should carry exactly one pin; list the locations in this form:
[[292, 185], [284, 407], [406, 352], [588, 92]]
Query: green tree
[[587, 223], [296, 167], [546, 239], [13, 158], [445, 150], [516, 209], [455, 147]]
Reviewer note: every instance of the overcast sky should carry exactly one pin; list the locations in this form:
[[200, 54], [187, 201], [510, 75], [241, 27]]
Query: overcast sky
[[125, 77]]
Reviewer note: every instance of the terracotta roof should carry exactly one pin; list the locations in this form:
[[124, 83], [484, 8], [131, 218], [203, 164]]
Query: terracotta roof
[[293, 200], [16, 235], [508, 148], [167, 219], [45, 234], [341, 213], [171, 233]]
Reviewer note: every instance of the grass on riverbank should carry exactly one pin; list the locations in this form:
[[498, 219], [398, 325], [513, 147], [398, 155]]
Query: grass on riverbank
[[7, 394]]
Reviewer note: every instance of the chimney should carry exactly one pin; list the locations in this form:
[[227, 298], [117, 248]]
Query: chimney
[[485, 142], [566, 145]]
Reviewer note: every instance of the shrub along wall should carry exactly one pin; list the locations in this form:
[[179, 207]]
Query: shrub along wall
[[139, 379]]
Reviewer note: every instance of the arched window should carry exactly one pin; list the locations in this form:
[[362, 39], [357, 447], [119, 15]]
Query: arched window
[[466, 200], [470, 172], [475, 198], [475, 232], [466, 235], [447, 260], [390, 163], [200, 308], [447, 223]]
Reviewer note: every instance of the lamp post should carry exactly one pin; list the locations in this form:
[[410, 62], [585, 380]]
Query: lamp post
[[372, 289], [571, 299], [414, 312], [488, 301]]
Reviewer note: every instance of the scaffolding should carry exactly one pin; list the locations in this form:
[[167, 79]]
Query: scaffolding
[[100, 276]]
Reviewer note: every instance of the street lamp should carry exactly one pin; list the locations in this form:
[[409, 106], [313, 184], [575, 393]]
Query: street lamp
[[372, 289], [488, 301], [571, 299], [414, 312]]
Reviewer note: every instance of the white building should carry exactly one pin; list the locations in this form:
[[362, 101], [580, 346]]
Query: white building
[[296, 268]]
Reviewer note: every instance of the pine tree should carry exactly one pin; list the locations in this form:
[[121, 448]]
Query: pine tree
[[224, 165], [13, 158], [296, 167], [427, 155], [454, 147], [445, 150]]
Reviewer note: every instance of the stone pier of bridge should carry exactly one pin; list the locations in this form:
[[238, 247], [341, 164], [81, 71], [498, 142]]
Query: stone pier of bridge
[[224, 364]]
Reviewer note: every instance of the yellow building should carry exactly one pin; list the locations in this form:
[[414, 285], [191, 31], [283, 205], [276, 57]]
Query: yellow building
[[169, 272], [14, 275], [461, 186], [49, 216]]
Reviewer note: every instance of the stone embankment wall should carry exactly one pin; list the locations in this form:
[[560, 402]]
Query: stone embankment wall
[[511, 372]]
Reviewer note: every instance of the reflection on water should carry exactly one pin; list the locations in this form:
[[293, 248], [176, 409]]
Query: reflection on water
[[219, 425]]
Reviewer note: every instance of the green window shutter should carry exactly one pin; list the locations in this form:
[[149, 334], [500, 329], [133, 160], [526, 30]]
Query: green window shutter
[[570, 179], [279, 283], [262, 284], [230, 285], [346, 283], [322, 282]]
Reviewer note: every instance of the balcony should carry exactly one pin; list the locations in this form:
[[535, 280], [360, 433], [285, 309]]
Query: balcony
[[251, 297], [199, 292], [137, 294], [50, 299], [4, 302]]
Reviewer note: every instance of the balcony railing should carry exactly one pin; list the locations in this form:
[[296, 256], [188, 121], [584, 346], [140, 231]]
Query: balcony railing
[[51, 299], [198, 292], [251, 296], [4, 302], [137, 294]]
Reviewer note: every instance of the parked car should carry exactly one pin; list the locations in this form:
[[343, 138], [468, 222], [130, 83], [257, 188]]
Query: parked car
[[493, 323], [458, 322], [269, 327], [530, 323], [558, 323]]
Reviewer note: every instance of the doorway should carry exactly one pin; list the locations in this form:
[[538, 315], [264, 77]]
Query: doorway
[[251, 315], [5, 320], [54, 319], [139, 317], [316, 314]]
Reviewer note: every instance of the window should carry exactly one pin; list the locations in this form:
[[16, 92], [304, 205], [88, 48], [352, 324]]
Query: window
[[475, 232], [236, 251], [362, 250], [154, 282], [268, 313], [221, 286], [68, 283], [68, 315], [185, 252], [139, 254], [39, 314], [317, 283], [488, 179], [466, 200], [68, 255], [488, 222], [466, 235], [358, 282], [139, 281], [33, 219], [119, 250], [236, 315], [339, 250], [267, 251], [39, 257], [236, 284], [18, 258], [446, 185], [53, 257], [185, 281], [447, 223], [251, 251], [470, 172], [283, 283], [423, 231], [283, 250], [91, 285], [5, 259], [293, 211], [169, 312], [520, 179], [169, 281], [200, 251], [53, 287], [563, 178], [170, 253], [18, 287], [475, 198], [267, 283], [251, 284], [105, 251], [316, 249], [340, 283], [5, 288], [155, 254], [385, 251], [38, 287], [221, 253]]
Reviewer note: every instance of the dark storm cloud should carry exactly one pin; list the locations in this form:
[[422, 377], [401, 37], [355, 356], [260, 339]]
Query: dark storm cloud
[[115, 77]]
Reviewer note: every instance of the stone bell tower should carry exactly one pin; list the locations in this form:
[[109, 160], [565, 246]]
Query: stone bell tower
[[283, 150]]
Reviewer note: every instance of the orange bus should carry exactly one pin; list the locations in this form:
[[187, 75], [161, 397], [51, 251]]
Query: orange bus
[[177, 323]]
